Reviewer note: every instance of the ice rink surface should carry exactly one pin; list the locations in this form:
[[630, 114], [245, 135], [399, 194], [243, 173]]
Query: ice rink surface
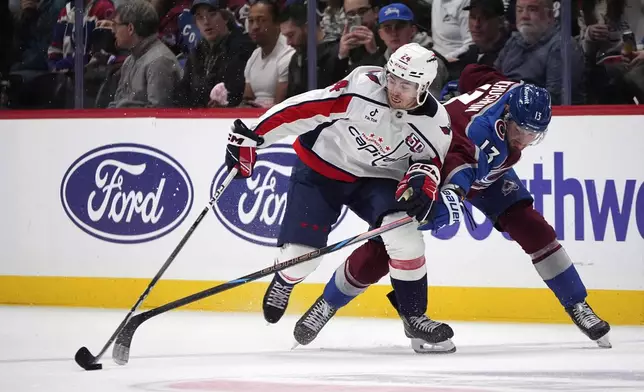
[[203, 351]]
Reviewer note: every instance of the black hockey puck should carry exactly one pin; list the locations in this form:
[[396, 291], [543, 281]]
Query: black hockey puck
[[94, 366]]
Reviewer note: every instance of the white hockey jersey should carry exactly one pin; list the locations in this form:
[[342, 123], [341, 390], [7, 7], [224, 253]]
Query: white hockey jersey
[[348, 130]]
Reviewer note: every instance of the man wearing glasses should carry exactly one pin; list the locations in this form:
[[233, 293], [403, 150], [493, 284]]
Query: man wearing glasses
[[151, 72]]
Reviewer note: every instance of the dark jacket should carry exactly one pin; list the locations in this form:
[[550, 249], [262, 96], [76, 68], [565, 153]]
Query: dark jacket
[[326, 73], [208, 65], [541, 64], [475, 56]]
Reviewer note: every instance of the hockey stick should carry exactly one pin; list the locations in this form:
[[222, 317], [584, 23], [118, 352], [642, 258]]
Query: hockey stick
[[84, 357], [121, 351]]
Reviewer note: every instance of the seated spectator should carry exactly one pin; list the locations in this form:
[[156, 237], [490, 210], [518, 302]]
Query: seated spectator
[[634, 78], [556, 12], [294, 27], [450, 29], [34, 34], [104, 69], [333, 21], [396, 27], [533, 54], [61, 50], [220, 57], [176, 27], [489, 33], [31, 85], [602, 24], [266, 72], [151, 72], [360, 43]]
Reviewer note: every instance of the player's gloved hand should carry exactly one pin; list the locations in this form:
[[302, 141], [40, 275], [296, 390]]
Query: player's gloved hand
[[241, 151], [446, 211], [419, 189]]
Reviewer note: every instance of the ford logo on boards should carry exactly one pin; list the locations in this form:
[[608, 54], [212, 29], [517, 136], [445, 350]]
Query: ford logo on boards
[[253, 208], [126, 193]]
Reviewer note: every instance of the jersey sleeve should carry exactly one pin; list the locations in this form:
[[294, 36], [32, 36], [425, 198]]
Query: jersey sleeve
[[303, 113], [468, 159]]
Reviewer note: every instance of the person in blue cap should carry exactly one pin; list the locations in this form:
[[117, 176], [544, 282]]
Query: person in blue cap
[[397, 27]]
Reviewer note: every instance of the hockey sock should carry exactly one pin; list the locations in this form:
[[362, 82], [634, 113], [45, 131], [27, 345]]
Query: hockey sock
[[409, 280], [342, 288], [562, 277]]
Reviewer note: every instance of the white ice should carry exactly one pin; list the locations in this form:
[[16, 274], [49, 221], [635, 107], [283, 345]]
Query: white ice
[[203, 351]]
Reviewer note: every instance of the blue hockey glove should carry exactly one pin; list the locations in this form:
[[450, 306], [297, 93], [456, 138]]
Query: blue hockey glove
[[446, 211]]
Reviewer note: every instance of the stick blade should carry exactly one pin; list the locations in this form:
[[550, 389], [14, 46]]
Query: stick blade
[[121, 350], [86, 360]]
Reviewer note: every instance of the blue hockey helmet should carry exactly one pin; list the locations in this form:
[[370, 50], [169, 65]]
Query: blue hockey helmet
[[530, 109]]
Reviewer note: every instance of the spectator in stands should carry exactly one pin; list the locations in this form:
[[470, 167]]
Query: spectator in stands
[[360, 43], [602, 23], [266, 72], [220, 57], [489, 32], [34, 33], [397, 27], [333, 21], [176, 27], [450, 29], [151, 72], [634, 78], [294, 27], [556, 12], [61, 50], [533, 54], [31, 83]]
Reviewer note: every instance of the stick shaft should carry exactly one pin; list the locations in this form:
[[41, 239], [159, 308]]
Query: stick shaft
[[274, 268], [173, 255]]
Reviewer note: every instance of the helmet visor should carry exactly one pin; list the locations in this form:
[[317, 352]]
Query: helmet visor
[[522, 136]]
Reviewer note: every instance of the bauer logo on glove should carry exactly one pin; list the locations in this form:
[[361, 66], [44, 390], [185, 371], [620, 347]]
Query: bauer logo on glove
[[241, 151]]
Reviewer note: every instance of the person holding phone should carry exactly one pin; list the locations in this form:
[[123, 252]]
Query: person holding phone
[[360, 43]]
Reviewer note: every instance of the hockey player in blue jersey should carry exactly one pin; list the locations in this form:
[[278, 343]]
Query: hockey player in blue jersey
[[492, 125]]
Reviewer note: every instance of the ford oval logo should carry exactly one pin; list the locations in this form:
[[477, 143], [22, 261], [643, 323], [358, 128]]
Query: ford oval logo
[[253, 209], [126, 193]]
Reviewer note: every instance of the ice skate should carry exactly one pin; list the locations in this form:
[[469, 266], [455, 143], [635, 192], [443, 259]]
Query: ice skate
[[590, 324], [312, 322], [276, 299], [427, 336]]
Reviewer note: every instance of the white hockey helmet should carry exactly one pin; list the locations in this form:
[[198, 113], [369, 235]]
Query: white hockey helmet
[[415, 64]]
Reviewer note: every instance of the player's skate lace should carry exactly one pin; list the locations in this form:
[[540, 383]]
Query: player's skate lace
[[424, 323], [585, 316], [279, 295], [319, 315]]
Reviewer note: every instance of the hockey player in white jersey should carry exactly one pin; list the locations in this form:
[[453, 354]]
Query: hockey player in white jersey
[[363, 143]]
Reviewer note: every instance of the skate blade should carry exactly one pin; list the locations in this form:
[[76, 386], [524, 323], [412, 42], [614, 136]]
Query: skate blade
[[604, 342], [422, 347]]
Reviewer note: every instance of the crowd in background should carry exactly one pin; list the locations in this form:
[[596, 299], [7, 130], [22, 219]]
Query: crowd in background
[[239, 53]]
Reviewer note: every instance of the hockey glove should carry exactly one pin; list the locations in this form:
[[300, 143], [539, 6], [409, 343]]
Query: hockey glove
[[419, 189], [446, 211], [241, 151]]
